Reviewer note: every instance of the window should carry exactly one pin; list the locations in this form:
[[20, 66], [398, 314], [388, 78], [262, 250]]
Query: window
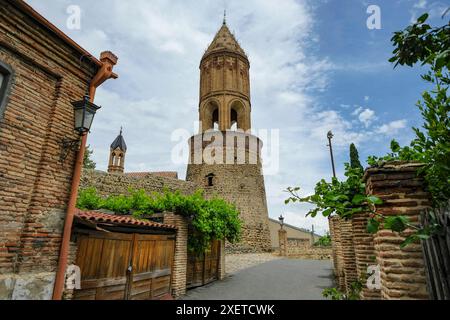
[[210, 180], [5, 84]]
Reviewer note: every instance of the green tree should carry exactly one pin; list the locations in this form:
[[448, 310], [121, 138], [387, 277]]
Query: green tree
[[88, 163], [420, 43], [354, 158]]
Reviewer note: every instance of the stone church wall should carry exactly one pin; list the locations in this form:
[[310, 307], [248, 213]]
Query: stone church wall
[[116, 184]]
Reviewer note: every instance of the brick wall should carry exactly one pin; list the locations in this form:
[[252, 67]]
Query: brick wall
[[403, 193], [34, 187]]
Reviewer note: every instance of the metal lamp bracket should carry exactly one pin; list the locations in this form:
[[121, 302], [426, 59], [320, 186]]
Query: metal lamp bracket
[[68, 145]]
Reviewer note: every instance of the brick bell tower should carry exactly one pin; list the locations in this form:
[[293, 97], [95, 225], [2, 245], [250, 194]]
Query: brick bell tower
[[225, 109], [117, 153]]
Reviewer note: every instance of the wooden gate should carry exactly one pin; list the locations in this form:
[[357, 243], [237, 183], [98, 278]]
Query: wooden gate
[[203, 269], [116, 266], [437, 253]]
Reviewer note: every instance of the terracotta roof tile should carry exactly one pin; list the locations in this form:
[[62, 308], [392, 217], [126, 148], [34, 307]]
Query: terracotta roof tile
[[95, 216]]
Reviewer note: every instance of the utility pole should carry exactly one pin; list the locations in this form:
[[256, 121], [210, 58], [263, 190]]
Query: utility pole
[[330, 136]]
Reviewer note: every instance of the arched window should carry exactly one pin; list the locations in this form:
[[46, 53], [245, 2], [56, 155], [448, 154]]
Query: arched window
[[215, 119], [210, 118], [237, 116], [6, 74], [210, 180]]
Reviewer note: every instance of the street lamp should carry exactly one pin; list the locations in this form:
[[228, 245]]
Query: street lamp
[[84, 111], [84, 114], [281, 218], [330, 137]]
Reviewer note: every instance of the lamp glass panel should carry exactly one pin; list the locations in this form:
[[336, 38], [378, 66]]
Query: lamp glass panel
[[89, 117], [78, 118], [2, 78]]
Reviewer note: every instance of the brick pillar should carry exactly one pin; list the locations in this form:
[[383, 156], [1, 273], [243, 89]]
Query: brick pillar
[[331, 225], [348, 253], [282, 238], [222, 270], [402, 191], [180, 258], [364, 253], [335, 229]]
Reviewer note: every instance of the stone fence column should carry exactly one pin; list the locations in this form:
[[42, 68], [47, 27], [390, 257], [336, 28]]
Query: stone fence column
[[402, 191], [179, 272], [335, 232], [348, 253], [364, 253], [282, 238]]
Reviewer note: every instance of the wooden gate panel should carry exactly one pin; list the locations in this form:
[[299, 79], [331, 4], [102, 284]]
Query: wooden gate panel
[[152, 267], [203, 269], [103, 260]]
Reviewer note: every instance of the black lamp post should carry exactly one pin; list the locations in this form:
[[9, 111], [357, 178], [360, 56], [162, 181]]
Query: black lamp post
[[281, 218], [84, 111], [330, 137]]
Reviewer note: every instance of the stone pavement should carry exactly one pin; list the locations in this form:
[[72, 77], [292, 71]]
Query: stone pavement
[[279, 279]]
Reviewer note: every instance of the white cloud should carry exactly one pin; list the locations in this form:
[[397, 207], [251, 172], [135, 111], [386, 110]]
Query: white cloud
[[392, 127], [367, 117], [357, 111], [366, 98], [421, 4]]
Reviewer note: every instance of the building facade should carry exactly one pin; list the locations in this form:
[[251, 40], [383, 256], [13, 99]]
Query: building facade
[[41, 72]]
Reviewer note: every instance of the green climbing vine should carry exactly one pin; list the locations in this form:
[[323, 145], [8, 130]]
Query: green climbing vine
[[213, 219]]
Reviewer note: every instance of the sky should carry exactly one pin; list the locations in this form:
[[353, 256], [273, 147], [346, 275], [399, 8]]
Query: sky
[[315, 67]]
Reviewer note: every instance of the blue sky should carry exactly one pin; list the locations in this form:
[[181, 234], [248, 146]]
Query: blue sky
[[315, 66]]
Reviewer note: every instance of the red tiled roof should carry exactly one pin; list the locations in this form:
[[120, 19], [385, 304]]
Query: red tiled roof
[[95, 216], [163, 174]]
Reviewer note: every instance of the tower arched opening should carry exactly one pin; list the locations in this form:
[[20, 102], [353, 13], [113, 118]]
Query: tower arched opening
[[210, 119], [237, 115]]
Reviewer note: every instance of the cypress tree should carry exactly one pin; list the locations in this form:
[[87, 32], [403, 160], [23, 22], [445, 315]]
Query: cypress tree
[[354, 158]]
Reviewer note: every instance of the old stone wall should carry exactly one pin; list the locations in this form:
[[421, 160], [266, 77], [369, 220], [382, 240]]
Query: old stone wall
[[297, 246], [116, 184], [46, 76], [402, 191], [301, 248]]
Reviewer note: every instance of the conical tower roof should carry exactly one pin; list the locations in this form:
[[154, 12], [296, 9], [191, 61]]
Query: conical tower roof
[[119, 143], [224, 41]]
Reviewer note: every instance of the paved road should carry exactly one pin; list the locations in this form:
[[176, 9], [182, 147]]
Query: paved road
[[285, 279]]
